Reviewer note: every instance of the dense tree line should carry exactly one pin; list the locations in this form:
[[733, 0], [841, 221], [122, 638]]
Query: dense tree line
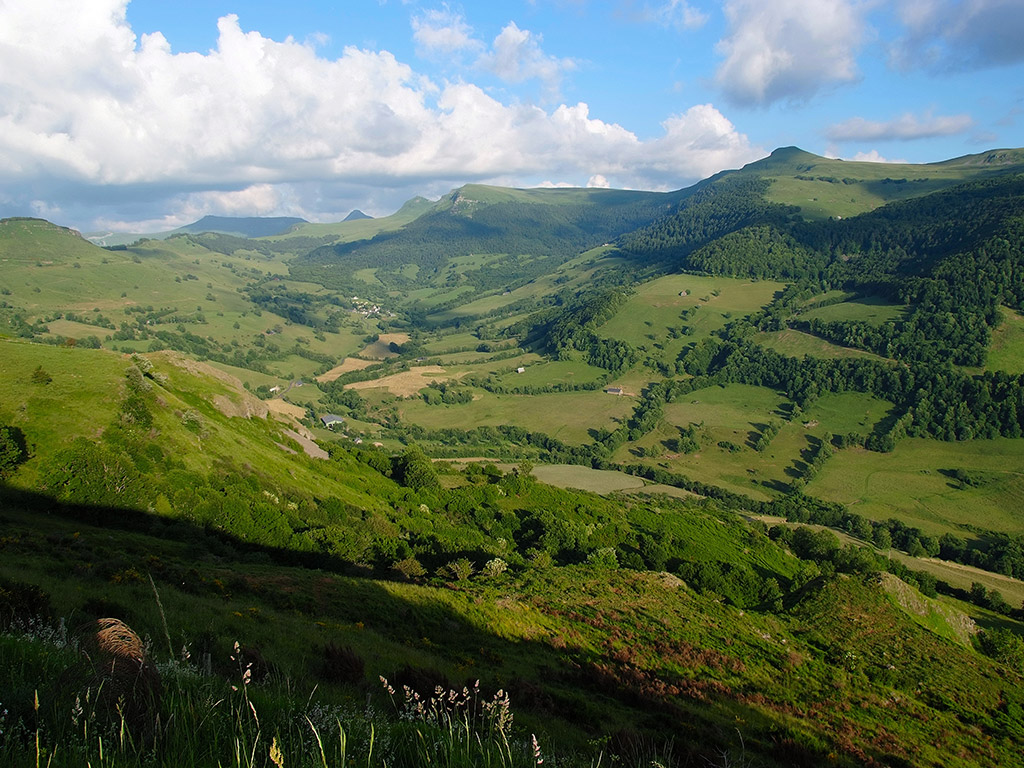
[[568, 330]]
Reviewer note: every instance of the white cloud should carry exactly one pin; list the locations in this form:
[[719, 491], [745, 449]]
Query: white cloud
[[788, 49], [597, 181], [674, 13], [516, 56], [443, 32], [873, 157], [906, 127], [959, 34], [91, 116]]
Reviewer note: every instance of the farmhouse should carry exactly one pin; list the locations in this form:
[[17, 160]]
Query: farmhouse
[[330, 420], [614, 390]]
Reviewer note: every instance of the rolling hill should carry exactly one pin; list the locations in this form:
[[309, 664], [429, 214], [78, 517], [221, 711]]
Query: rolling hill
[[797, 387]]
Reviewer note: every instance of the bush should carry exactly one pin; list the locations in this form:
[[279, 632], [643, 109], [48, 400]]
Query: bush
[[342, 665], [13, 450], [21, 602]]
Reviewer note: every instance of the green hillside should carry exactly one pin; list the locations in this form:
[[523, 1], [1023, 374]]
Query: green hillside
[[796, 387], [481, 239], [560, 598]]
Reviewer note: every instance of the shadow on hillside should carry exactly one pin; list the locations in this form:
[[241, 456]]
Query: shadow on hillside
[[550, 677]]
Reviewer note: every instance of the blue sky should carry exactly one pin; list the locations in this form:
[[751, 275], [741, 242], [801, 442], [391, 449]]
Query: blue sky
[[148, 114]]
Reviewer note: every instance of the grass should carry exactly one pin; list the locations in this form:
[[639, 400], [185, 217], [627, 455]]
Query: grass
[[734, 413], [820, 198], [866, 309], [910, 484], [584, 478], [566, 416], [793, 343], [1006, 350], [68, 274], [656, 306]]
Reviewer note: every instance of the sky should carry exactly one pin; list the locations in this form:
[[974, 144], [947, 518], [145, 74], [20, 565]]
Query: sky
[[144, 115]]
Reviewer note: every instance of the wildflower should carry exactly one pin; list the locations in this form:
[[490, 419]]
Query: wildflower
[[537, 759]]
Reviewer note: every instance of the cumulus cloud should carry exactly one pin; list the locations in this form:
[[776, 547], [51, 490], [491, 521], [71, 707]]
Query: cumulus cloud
[[959, 34], [788, 49], [443, 32], [907, 127], [516, 56], [90, 114]]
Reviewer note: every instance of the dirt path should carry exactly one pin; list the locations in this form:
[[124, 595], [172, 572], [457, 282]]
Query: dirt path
[[311, 448]]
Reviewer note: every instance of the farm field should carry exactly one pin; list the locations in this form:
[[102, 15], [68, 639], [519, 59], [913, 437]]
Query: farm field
[[793, 343], [601, 481], [546, 373], [566, 416], [846, 412], [913, 484], [656, 305], [736, 414], [866, 309]]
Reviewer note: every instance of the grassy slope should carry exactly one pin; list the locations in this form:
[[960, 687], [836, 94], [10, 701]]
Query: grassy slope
[[585, 652], [49, 270], [824, 194]]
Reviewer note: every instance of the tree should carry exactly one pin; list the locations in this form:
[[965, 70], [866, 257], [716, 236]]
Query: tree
[[12, 450]]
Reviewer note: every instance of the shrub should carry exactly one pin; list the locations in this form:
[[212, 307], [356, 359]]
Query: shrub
[[460, 569], [40, 376], [13, 450], [21, 602], [342, 665]]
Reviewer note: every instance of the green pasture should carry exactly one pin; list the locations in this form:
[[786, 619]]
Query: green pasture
[[656, 306], [1006, 349], [601, 481], [822, 193], [846, 412], [866, 309], [567, 416], [86, 384], [793, 343], [547, 373], [572, 274], [910, 484], [735, 413]]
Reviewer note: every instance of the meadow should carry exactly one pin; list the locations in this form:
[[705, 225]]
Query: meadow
[[794, 343], [915, 483], [567, 416]]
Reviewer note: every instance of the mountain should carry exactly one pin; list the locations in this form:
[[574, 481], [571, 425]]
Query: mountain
[[356, 215], [722, 476], [494, 238], [239, 226], [246, 226]]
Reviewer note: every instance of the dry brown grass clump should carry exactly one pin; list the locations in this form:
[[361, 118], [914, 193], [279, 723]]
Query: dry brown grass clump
[[120, 678]]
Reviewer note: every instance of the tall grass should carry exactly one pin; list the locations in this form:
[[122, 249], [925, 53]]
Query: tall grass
[[48, 722]]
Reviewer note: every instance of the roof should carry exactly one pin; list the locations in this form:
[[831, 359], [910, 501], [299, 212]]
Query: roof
[[329, 418]]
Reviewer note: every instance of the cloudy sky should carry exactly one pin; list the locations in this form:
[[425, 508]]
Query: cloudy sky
[[148, 114]]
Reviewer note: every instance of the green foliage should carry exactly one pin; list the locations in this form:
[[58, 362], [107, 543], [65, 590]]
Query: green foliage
[[40, 376], [13, 450]]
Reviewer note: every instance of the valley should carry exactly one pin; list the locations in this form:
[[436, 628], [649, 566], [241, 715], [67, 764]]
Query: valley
[[740, 463]]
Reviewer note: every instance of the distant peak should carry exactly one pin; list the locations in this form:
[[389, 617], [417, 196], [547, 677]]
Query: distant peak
[[356, 215]]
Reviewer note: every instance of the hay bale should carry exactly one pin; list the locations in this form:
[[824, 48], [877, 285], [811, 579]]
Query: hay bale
[[119, 674]]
